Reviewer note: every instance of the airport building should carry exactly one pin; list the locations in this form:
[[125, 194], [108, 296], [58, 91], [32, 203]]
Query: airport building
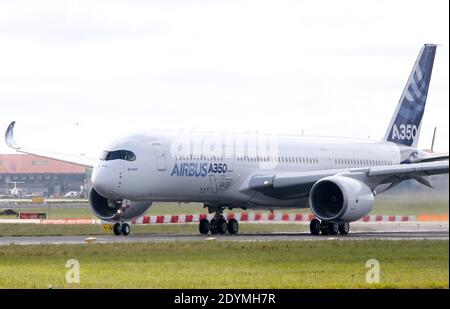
[[27, 175]]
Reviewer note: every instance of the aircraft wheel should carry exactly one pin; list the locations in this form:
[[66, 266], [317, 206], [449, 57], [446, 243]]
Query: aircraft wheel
[[344, 228], [314, 227], [126, 229], [117, 229], [232, 226], [221, 226], [333, 228], [213, 226], [324, 228], [203, 226]]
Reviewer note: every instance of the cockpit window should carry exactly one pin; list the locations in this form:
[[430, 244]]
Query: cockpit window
[[118, 155]]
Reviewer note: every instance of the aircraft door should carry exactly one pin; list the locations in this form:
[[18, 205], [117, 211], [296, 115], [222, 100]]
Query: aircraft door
[[161, 162]]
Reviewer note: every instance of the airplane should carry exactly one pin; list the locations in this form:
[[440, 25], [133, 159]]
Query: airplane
[[337, 178], [15, 192]]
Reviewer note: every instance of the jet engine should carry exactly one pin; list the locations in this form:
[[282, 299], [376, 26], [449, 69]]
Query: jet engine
[[340, 199], [116, 210]]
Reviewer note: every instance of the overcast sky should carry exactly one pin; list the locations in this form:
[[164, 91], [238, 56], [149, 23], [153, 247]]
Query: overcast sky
[[77, 74]]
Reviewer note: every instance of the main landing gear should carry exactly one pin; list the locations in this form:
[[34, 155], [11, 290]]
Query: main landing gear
[[218, 225], [121, 229], [328, 228]]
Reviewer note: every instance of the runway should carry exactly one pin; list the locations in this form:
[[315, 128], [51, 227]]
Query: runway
[[105, 239]]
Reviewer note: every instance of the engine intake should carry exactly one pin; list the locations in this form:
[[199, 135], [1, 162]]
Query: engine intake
[[115, 210], [339, 198]]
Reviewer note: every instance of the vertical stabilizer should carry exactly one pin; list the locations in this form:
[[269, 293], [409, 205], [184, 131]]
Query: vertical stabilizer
[[404, 127]]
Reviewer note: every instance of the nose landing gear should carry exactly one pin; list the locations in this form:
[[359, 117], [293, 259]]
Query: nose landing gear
[[328, 228], [126, 229], [117, 229], [121, 229]]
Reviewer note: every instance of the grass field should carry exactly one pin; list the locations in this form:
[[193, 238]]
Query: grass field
[[383, 206], [410, 206], [212, 264], [57, 213]]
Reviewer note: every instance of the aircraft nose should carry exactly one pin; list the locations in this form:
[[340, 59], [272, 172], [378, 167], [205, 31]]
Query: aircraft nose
[[104, 182]]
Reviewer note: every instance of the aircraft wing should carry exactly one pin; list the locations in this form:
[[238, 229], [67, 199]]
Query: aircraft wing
[[76, 159], [372, 176]]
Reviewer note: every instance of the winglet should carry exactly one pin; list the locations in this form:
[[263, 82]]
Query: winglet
[[9, 136]]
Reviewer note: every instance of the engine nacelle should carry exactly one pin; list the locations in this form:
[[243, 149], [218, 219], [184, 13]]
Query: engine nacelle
[[116, 210], [340, 199]]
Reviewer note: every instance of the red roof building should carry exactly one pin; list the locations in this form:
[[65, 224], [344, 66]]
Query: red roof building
[[25, 164], [41, 176]]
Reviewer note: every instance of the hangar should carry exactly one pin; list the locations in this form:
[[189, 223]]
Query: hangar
[[38, 176]]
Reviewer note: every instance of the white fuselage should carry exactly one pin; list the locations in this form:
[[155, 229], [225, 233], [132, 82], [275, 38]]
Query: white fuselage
[[214, 168]]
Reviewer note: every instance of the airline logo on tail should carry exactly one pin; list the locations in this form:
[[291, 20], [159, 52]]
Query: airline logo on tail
[[405, 124]]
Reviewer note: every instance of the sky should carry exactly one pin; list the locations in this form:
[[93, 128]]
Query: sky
[[75, 75]]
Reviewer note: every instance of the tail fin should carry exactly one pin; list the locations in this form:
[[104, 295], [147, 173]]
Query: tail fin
[[404, 127]]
